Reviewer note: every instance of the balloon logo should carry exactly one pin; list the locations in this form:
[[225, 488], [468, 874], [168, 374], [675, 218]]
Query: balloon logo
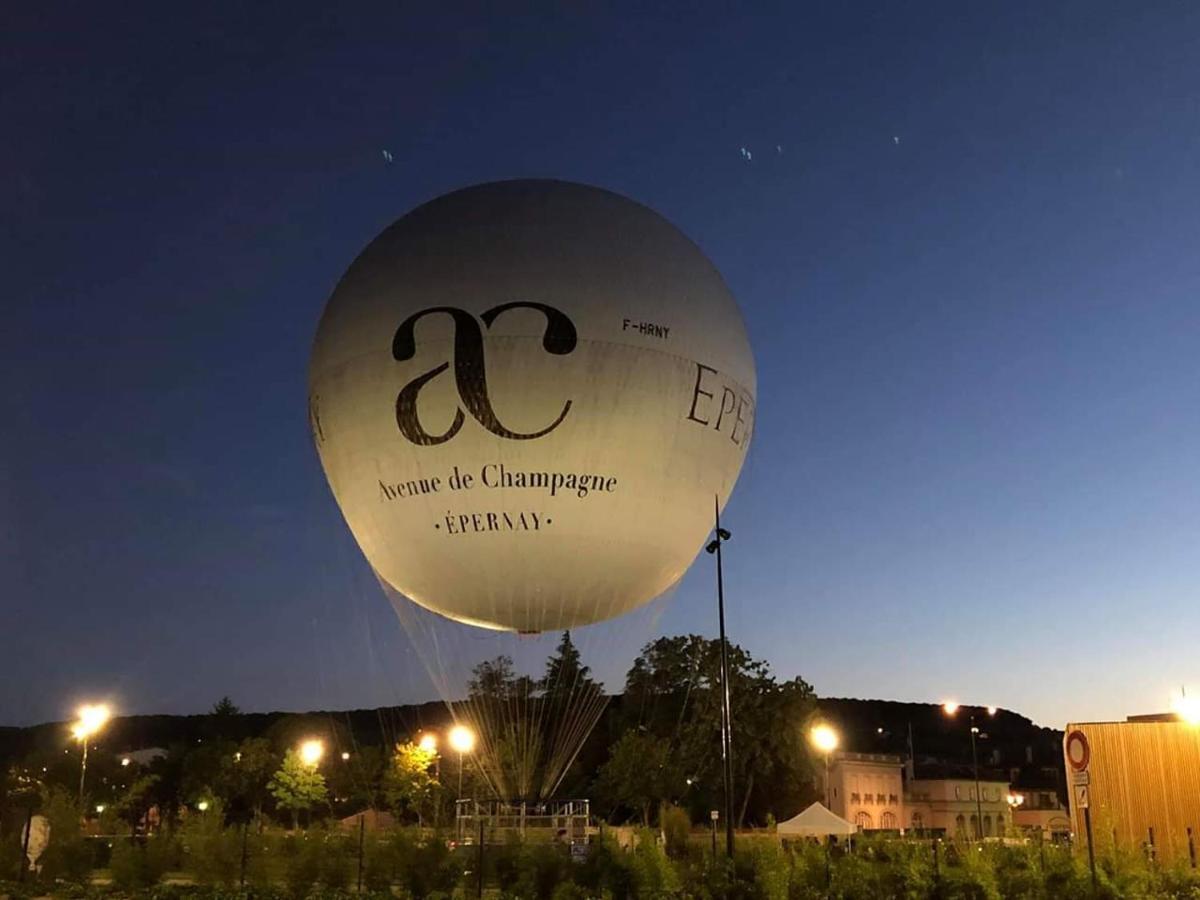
[[525, 396]]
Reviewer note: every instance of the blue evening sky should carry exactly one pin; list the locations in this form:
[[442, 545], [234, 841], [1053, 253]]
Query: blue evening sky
[[965, 243]]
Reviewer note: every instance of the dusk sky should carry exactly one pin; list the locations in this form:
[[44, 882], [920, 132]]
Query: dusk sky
[[965, 242]]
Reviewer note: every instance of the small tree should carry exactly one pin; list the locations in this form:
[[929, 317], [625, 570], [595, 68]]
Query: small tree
[[409, 784], [137, 800], [297, 786], [638, 774], [245, 778]]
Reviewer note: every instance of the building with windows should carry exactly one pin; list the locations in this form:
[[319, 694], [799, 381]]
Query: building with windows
[[1039, 807], [941, 799], [867, 789], [870, 790]]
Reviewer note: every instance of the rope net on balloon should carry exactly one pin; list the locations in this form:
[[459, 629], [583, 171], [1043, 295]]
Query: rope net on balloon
[[529, 700]]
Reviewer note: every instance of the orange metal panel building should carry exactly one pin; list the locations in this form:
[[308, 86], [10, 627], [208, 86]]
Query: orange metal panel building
[[1142, 775]]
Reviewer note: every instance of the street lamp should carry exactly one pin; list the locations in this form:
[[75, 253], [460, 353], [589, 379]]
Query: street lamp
[[462, 740], [428, 742], [714, 547], [1186, 708], [90, 720], [311, 752], [825, 739], [1014, 803], [951, 708]]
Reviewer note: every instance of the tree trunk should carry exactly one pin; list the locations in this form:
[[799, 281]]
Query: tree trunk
[[746, 799]]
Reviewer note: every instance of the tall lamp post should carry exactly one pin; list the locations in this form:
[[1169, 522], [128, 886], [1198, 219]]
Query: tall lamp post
[[91, 720], [1015, 802], [825, 739], [714, 546], [950, 708], [462, 740]]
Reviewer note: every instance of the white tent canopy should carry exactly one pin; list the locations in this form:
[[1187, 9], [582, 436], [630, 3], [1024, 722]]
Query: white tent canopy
[[816, 821]]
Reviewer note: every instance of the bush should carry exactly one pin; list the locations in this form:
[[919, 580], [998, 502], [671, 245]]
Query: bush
[[676, 824], [68, 856], [606, 869], [650, 871], [302, 863], [142, 864], [212, 854]]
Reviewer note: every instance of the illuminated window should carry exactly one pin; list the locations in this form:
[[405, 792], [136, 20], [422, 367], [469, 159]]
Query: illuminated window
[[888, 821], [863, 821]]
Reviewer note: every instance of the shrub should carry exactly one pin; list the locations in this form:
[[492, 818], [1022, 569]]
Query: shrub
[[651, 872], [606, 869], [212, 854], [68, 856], [142, 863], [676, 825]]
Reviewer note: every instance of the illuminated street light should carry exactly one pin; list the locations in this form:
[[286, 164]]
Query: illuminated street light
[[462, 740], [100, 807], [202, 806], [951, 707], [91, 718], [125, 761], [428, 742], [991, 710], [825, 739], [311, 753], [345, 755], [1186, 708]]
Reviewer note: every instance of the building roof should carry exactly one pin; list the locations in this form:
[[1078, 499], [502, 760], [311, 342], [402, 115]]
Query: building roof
[[944, 771]]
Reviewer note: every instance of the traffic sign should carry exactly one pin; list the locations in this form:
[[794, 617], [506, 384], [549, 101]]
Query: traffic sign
[[1079, 753], [1081, 796]]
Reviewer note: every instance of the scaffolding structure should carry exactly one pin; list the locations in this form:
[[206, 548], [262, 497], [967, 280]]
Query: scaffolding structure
[[497, 821]]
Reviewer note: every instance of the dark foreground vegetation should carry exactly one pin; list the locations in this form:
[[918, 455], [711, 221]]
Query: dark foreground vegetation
[[202, 859]]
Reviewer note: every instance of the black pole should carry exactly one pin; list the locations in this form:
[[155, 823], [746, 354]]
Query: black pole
[[978, 800], [242, 876], [1191, 847], [479, 860], [1087, 826], [24, 863], [726, 720], [362, 828], [82, 778], [714, 839]]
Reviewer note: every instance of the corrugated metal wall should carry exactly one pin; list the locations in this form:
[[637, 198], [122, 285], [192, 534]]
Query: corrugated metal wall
[[1143, 775]]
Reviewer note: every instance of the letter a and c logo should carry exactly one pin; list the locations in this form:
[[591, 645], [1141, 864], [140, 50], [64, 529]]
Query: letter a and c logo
[[470, 375]]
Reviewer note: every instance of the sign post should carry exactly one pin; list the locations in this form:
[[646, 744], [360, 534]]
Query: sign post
[[1079, 756]]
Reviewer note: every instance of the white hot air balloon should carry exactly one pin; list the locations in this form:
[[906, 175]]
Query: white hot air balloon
[[525, 396]]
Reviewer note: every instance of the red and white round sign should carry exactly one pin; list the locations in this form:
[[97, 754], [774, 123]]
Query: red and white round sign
[[1079, 754]]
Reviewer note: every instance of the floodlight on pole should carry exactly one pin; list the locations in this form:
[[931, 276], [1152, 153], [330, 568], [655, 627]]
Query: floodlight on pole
[[1186, 708], [825, 739], [462, 740], [90, 719], [951, 707], [311, 752], [428, 742]]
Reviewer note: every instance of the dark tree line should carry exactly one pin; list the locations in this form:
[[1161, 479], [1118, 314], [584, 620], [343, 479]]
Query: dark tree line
[[658, 742]]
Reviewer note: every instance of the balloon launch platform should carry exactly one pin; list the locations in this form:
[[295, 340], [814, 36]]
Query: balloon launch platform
[[565, 821]]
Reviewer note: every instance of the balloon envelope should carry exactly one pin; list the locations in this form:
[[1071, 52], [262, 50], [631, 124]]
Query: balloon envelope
[[526, 397]]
